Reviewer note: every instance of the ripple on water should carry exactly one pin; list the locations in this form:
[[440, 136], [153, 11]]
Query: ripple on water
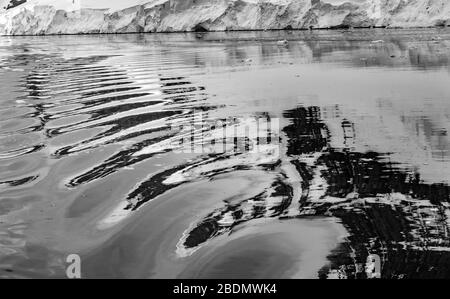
[[99, 135]]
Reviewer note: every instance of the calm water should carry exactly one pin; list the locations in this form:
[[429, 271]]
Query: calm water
[[354, 160]]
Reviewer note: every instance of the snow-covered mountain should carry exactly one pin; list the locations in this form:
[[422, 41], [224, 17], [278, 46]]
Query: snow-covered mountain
[[111, 16]]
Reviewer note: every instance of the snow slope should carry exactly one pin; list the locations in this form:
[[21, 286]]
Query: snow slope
[[114, 16]]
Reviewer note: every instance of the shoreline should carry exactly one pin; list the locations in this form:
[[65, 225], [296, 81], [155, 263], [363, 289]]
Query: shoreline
[[337, 28]]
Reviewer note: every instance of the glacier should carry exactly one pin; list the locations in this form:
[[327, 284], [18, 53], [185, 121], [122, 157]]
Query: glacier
[[42, 17]]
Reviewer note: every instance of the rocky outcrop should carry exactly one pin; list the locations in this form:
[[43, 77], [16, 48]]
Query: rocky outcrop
[[70, 17]]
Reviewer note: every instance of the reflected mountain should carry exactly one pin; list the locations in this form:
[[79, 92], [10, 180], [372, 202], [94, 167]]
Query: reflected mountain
[[150, 149], [388, 210]]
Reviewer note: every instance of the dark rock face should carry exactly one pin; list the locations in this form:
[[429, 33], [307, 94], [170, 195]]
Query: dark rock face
[[199, 28], [15, 3]]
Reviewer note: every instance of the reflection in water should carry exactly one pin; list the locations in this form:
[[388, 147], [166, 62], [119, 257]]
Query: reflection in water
[[387, 210], [91, 159]]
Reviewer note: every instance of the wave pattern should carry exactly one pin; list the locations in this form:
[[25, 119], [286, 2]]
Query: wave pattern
[[130, 102], [386, 207], [121, 104], [109, 113]]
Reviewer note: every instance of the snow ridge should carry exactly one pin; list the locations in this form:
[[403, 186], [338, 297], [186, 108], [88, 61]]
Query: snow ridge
[[35, 17]]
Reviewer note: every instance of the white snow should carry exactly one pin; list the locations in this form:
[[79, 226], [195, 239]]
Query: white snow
[[109, 16]]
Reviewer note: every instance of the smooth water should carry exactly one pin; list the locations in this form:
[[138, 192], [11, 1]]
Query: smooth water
[[106, 151]]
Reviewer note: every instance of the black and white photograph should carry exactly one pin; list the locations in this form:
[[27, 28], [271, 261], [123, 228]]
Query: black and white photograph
[[200, 140]]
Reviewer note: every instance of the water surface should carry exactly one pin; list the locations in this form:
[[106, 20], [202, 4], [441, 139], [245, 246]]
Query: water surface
[[354, 159]]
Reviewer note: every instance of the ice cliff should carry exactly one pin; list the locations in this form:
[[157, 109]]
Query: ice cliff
[[34, 17]]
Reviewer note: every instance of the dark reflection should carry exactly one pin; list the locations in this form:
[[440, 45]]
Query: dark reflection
[[19, 182], [387, 209], [306, 134], [271, 203], [22, 151], [106, 98], [156, 185], [408, 246], [401, 229], [238, 157], [114, 163], [128, 157], [368, 175], [119, 125], [123, 111]]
